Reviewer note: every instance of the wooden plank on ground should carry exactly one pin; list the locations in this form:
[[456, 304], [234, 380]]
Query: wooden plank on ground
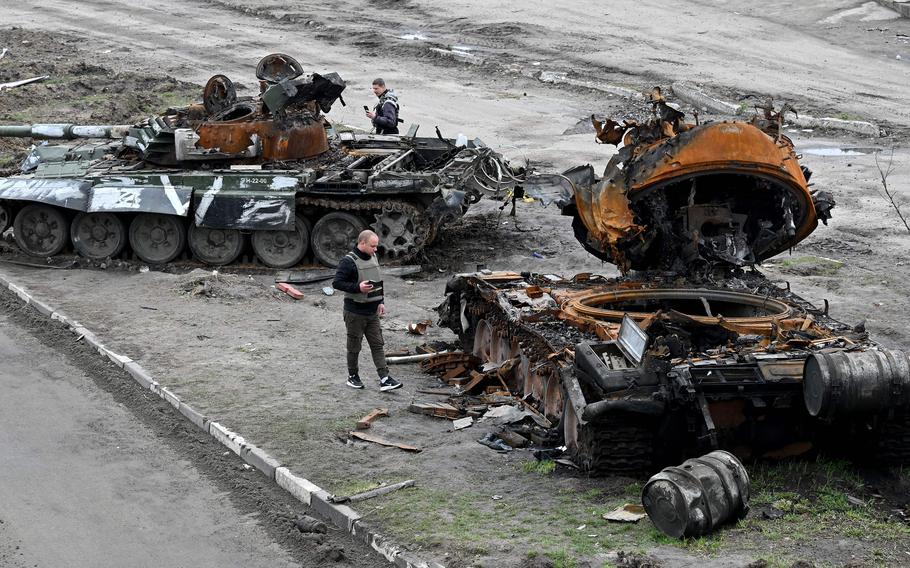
[[367, 421], [383, 442]]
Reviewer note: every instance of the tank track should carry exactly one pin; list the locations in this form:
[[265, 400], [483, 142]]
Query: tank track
[[892, 444], [423, 229], [620, 444]]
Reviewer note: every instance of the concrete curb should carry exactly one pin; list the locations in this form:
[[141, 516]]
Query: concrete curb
[[902, 7], [702, 101], [300, 488]]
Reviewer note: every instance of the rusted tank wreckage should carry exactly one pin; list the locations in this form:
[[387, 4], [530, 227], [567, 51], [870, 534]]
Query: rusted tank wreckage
[[269, 169], [687, 351]]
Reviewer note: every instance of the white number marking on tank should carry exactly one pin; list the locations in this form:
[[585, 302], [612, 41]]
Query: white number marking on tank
[[254, 181]]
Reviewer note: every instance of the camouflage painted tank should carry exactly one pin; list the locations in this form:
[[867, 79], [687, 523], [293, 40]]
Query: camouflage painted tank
[[268, 173]]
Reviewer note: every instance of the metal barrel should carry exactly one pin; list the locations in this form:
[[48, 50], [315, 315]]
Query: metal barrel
[[64, 131], [856, 382], [694, 498]]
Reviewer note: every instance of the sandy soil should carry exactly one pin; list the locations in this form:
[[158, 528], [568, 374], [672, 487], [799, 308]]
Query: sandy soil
[[272, 368]]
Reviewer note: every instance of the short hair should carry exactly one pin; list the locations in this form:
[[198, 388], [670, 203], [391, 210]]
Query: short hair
[[379, 81], [365, 235]]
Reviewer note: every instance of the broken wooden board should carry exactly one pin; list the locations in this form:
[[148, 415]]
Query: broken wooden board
[[454, 373], [458, 381], [367, 421], [476, 379], [440, 409], [383, 442]]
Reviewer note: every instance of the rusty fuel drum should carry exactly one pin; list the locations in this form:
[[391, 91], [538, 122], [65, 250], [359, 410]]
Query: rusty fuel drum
[[697, 496], [850, 382]]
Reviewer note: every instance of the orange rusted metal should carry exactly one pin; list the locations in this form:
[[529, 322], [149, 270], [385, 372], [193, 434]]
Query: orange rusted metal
[[731, 192], [279, 141]]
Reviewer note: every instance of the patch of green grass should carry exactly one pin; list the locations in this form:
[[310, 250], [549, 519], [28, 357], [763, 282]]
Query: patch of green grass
[[811, 265], [177, 98], [543, 467]]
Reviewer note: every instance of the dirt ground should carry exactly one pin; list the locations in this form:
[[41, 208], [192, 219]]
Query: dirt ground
[[272, 369]]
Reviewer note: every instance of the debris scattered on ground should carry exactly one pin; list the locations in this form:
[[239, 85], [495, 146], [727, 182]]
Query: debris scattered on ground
[[304, 277], [491, 441], [440, 409], [367, 421], [14, 84], [419, 328], [307, 524], [463, 422], [628, 513], [328, 291], [383, 442], [290, 290], [382, 490], [409, 358]]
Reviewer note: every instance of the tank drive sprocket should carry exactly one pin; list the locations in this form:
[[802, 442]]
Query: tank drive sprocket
[[400, 225]]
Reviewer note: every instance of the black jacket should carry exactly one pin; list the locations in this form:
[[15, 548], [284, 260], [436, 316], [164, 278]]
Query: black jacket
[[346, 281], [386, 119]]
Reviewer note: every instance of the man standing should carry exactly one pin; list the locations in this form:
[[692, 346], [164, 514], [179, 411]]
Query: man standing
[[358, 277], [385, 114]]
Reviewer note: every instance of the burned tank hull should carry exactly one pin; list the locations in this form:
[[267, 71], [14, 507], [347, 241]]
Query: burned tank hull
[[267, 174], [642, 372]]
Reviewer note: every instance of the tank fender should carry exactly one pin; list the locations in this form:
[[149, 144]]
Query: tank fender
[[68, 193], [167, 199], [239, 209]]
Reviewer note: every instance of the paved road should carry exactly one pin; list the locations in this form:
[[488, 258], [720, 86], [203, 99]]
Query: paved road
[[82, 483]]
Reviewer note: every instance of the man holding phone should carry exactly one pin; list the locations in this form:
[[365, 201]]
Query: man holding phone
[[359, 278], [385, 114]]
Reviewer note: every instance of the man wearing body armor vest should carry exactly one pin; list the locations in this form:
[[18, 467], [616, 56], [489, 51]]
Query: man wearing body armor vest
[[358, 277], [385, 114]]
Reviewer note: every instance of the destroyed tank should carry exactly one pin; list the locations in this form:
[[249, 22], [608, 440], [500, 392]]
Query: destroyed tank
[[687, 352], [267, 173]]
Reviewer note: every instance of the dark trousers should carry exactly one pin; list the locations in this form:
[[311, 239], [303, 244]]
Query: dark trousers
[[357, 327]]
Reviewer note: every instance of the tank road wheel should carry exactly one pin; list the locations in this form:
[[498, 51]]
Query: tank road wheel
[[98, 235], [282, 249], [156, 238], [334, 235], [41, 230], [398, 234], [215, 246], [5, 218]]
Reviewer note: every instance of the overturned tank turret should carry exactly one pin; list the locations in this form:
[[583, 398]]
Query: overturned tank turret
[[267, 175], [677, 196]]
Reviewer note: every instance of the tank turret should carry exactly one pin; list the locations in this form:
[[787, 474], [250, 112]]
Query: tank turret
[[265, 174]]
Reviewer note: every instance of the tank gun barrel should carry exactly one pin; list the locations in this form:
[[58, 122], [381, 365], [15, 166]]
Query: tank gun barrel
[[64, 131]]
